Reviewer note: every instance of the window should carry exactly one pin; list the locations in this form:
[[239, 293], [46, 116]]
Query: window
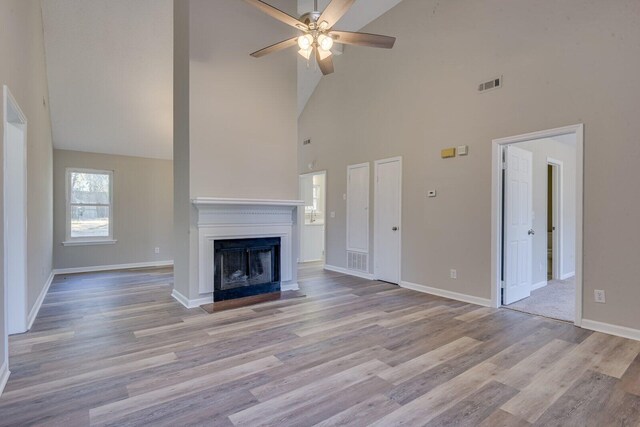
[[89, 207]]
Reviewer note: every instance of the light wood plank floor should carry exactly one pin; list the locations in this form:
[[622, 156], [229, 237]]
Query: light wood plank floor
[[115, 349]]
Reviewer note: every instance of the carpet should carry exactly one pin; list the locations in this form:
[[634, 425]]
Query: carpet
[[557, 300]]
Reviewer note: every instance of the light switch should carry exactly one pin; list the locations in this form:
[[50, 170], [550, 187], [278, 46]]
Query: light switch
[[432, 193], [333, 214], [463, 150]]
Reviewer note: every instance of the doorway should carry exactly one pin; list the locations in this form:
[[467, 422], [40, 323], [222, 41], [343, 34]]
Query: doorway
[[387, 240], [537, 223], [15, 215], [313, 190]]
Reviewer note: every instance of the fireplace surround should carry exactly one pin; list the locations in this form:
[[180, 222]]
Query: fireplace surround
[[220, 219]]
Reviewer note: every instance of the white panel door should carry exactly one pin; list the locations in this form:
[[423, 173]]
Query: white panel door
[[358, 208], [518, 222], [15, 229], [388, 185]]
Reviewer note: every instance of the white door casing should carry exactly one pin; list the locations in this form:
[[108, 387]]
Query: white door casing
[[387, 219], [15, 215], [518, 224]]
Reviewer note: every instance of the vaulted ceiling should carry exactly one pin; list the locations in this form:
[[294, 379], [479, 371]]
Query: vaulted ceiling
[[110, 72], [361, 13]]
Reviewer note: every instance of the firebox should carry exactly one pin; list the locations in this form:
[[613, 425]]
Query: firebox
[[245, 267]]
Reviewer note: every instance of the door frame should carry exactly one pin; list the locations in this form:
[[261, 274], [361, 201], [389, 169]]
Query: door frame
[[301, 214], [496, 207], [376, 227], [13, 115], [557, 215]]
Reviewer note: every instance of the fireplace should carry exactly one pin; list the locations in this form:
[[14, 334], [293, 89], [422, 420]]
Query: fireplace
[[245, 267]]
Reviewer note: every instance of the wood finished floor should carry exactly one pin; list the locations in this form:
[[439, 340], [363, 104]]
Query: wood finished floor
[[115, 349]]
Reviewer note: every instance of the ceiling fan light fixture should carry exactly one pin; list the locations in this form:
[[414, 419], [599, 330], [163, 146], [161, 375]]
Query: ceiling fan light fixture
[[324, 54], [306, 53], [305, 42], [325, 42]]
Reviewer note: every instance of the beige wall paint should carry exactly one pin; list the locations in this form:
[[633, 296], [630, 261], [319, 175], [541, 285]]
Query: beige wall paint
[[182, 208], [22, 68], [561, 148], [235, 126], [569, 62], [243, 110], [142, 216]]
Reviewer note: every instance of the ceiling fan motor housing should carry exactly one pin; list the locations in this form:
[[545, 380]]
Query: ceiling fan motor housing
[[310, 18]]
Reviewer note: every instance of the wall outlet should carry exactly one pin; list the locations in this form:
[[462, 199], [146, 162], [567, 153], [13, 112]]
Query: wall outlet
[[453, 273], [598, 296], [157, 250]]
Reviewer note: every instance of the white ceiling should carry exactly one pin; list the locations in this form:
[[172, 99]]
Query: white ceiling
[[110, 72], [362, 13]]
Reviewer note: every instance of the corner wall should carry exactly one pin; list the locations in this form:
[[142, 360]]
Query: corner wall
[[563, 63], [23, 70], [142, 216]]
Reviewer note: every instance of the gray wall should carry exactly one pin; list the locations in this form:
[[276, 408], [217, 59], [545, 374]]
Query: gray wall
[[142, 204], [235, 122], [22, 68], [563, 149], [568, 62]]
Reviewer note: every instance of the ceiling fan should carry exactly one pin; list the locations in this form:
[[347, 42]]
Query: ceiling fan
[[318, 37]]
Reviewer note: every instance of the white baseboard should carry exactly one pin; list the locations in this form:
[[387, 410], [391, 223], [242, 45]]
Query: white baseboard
[[446, 294], [36, 307], [95, 268], [567, 275], [346, 271], [607, 328], [289, 286], [539, 285], [4, 375], [191, 303]]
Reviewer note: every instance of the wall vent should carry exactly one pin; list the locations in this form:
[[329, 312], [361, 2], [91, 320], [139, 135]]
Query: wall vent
[[495, 83], [358, 261], [306, 142]]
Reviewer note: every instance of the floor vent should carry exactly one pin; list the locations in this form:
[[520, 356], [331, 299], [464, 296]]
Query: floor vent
[[358, 261]]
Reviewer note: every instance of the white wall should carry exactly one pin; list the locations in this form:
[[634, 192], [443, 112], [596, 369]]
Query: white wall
[[568, 62], [564, 149], [22, 68]]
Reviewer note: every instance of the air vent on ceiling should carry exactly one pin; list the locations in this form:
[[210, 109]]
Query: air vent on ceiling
[[492, 84]]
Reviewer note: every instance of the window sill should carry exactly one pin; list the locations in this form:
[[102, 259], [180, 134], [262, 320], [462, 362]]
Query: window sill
[[88, 242]]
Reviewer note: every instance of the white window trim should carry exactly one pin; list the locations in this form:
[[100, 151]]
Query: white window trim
[[80, 241]]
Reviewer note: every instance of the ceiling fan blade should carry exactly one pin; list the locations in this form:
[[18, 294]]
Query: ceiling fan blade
[[363, 39], [335, 11], [276, 47], [278, 14], [326, 65]]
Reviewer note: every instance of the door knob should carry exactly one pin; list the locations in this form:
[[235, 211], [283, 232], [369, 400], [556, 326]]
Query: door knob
[[531, 232], [394, 228]]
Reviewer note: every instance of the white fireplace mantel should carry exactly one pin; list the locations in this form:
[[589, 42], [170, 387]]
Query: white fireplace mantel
[[224, 218]]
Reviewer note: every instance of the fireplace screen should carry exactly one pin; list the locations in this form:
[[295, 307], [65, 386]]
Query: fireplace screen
[[246, 267]]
